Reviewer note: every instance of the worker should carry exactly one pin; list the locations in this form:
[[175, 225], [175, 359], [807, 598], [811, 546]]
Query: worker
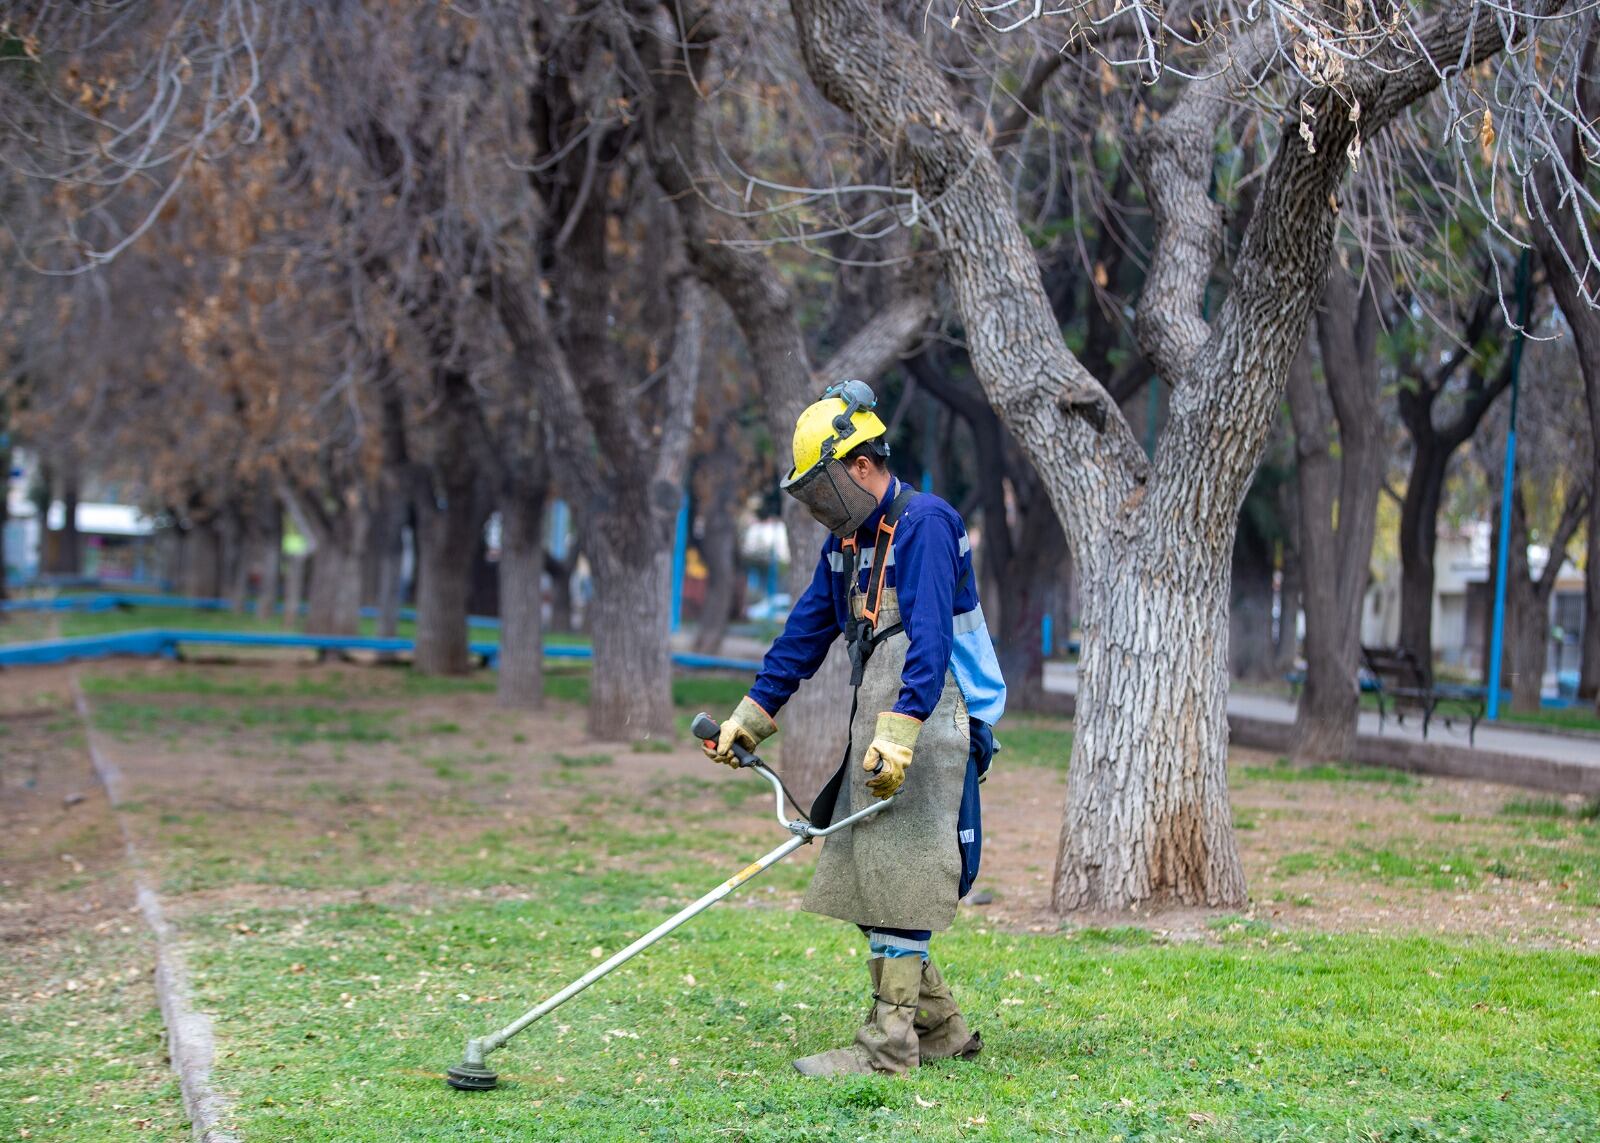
[[896, 579]]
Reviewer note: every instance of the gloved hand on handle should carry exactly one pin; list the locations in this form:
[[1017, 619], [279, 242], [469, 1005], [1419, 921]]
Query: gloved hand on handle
[[892, 743], [748, 725]]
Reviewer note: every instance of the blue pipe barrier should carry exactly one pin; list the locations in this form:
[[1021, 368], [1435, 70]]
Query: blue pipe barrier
[[164, 643]]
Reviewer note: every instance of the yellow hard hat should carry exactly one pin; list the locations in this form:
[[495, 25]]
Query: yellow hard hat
[[833, 426]]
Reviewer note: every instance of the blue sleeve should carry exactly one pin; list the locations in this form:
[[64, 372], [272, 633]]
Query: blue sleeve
[[927, 561], [797, 653]]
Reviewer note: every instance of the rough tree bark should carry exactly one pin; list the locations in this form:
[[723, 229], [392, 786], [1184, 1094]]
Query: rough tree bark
[[336, 522], [521, 676], [1560, 247], [450, 508], [1342, 487], [1147, 816], [202, 562], [560, 573], [522, 478]]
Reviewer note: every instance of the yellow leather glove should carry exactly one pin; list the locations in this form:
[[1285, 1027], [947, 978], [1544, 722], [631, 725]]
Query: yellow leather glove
[[747, 725], [892, 744]]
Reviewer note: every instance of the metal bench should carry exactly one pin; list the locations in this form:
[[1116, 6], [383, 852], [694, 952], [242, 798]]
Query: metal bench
[[1405, 684]]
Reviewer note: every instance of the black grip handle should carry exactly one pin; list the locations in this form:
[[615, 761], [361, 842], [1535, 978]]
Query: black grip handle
[[707, 730]]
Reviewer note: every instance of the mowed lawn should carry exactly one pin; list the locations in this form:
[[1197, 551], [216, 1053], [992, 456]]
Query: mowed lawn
[[367, 867]]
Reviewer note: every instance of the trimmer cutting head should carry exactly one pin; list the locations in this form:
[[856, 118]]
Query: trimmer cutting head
[[471, 1077]]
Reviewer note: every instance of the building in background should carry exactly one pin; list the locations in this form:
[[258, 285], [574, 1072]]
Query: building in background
[[115, 538]]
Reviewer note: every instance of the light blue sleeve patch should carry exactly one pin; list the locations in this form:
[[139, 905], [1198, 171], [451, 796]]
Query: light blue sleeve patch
[[977, 672]]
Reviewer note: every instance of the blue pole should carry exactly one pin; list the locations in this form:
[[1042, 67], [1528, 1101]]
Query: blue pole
[[680, 550], [1047, 635], [558, 529], [1507, 486]]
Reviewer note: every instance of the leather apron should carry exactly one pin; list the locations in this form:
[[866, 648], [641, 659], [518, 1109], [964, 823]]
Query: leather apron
[[900, 869]]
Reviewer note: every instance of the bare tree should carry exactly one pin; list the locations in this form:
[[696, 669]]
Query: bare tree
[[1147, 818], [1561, 246], [1339, 477]]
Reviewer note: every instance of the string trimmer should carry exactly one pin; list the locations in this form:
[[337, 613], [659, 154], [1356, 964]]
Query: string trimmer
[[471, 1074]]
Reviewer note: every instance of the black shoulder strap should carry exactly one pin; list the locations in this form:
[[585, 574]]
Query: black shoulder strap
[[891, 515]]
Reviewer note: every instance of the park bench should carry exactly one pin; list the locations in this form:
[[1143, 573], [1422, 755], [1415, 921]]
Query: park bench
[[1404, 684]]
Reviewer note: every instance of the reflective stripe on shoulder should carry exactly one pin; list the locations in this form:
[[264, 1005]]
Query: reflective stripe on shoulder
[[964, 545], [836, 562], [967, 621]]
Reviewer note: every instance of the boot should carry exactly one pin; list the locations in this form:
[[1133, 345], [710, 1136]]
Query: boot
[[887, 1042], [942, 1032]]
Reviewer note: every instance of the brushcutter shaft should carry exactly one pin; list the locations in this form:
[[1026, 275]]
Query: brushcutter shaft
[[494, 1040]]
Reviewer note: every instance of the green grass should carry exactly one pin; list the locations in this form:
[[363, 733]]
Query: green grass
[[336, 1023], [1283, 770], [83, 1052], [1034, 740], [1567, 718], [291, 725], [579, 761], [1560, 856]]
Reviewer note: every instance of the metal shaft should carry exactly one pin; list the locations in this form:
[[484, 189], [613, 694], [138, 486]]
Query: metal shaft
[[478, 1048]]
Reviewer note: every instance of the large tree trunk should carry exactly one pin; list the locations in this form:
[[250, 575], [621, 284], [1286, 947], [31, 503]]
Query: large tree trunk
[[560, 573], [447, 537], [1529, 645], [450, 512], [70, 553], [202, 565], [521, 681], [1336, 554], [1151, 718], [239, 547], [1560, 245], [1419, 540], [630, 617], [334, 606]]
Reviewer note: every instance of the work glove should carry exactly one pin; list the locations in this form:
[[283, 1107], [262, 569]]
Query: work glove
[[748, 725], [892, 744]]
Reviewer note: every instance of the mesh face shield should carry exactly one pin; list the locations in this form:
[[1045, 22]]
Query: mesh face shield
[[832, 496]]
